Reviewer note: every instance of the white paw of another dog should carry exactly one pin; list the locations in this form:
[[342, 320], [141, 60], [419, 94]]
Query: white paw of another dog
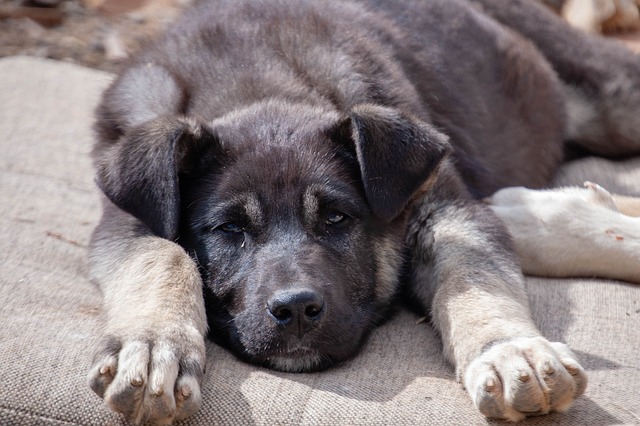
[[524, 377], [599, 195], [568, 232], [545, 202], [155, 380]]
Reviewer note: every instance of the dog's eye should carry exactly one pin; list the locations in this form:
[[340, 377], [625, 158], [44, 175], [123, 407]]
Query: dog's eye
[[231, 228], [334, 218]]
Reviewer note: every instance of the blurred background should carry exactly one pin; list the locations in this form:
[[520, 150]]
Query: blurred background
[[102, 33], [96, 33]]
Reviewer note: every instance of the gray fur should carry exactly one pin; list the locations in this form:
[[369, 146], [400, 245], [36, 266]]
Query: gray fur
[[294, 167]]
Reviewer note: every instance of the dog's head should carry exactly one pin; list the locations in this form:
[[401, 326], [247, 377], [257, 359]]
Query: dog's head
[[295, 216]]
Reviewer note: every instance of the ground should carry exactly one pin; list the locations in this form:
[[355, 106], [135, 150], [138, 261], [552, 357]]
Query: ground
[[94, 33], [99, 33]]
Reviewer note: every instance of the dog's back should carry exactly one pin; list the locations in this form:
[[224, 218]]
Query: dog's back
[[501, 105]]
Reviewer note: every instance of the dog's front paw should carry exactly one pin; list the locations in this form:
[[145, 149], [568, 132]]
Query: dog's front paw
[[524, 377], [151, 379]]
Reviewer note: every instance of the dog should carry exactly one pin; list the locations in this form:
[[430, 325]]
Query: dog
[[572, 232], [278, 174]]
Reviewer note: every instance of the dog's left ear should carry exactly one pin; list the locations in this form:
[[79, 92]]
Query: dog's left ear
[[397, 153]]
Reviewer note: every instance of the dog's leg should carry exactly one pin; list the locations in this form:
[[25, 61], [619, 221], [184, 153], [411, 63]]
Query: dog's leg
[[151, 362], [465, 274], [601, 77], [572, 231], [628, 206]]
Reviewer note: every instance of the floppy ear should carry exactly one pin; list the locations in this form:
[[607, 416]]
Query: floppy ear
[[140, 172], [396, 153]]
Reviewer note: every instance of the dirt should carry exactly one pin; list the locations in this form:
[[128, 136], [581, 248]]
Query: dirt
[[98, 33], [95, 33]]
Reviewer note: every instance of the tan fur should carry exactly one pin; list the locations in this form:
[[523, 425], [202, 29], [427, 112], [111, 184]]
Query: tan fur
[[537, 376], [460, 303], [155, 313], [389, 261], [495, 307], [484, 320]]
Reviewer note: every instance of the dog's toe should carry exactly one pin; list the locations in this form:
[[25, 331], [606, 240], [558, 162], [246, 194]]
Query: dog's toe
[[187, 396], [599, 195], [126, 392], [105, 366]]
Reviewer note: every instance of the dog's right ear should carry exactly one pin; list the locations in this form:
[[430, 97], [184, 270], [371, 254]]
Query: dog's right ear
[[140, 172]]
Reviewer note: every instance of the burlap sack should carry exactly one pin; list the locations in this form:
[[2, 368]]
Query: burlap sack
[[49, 309]]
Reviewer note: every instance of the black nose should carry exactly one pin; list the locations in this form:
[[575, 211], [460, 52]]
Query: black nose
[[299, 310]]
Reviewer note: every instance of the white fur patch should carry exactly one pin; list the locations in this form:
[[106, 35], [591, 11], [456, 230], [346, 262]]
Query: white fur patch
[[296, 365], [570, 232]]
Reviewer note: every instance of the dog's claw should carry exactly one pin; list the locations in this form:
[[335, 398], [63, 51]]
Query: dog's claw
[[106, 370], [184, 393], [524, 376], [489, 385]]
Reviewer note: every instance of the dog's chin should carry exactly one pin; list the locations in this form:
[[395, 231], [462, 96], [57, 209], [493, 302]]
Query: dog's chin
[[299, 361]]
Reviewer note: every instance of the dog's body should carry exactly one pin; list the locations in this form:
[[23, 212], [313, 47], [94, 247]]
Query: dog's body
[[311, 160]]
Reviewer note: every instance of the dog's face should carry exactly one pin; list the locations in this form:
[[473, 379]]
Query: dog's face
[[294, 215], [287, 242]]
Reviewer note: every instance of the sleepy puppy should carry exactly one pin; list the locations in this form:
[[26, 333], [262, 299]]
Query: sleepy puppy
[[278, 173], [572, 232]]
